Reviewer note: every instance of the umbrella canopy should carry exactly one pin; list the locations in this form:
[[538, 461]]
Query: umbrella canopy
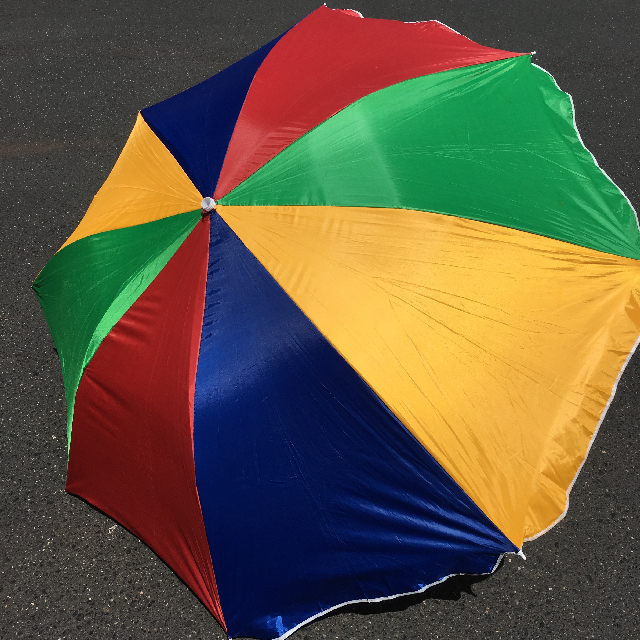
[[344, 319]]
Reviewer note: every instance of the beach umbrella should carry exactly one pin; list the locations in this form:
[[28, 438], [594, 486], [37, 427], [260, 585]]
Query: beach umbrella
[[344, 319]]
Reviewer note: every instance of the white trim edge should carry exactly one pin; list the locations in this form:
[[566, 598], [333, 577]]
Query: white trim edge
[[633, 349], [397, 595], [593, 438], [575, 126]]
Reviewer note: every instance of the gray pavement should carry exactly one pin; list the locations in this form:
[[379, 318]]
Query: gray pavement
[[72, 77]]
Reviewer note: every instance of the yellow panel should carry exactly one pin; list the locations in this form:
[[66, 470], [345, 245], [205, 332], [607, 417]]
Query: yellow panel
[[498, 349], [146, 184]]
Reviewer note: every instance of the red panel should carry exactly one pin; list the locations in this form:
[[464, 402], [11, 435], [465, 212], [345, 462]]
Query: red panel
[[326, 62], [132, 440]]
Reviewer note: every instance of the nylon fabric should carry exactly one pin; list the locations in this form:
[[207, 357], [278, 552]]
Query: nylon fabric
[[88, 285], [146, 184], [313, 494], [196, 125], [498, 349], [326, 62], [133, 420], [493, 142]]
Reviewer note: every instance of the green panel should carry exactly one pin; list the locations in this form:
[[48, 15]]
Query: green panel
[[89, 285], [493, 142]]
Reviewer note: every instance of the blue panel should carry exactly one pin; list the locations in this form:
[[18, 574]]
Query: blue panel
[[196, 125], [313, 493]]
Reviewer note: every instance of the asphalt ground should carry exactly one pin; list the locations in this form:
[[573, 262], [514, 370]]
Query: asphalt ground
[[73, 75]]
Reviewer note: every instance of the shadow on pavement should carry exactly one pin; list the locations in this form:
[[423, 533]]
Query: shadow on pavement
[[450, 589]]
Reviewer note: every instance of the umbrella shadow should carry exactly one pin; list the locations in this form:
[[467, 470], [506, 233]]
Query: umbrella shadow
[[450, 589]]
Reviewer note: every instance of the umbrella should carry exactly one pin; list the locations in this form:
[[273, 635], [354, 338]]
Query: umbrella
[[344, 319]]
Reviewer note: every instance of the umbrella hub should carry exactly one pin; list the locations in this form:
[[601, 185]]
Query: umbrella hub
[[208, 205]]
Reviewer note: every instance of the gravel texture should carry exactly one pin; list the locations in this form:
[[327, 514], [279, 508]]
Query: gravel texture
[[72, 77]]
